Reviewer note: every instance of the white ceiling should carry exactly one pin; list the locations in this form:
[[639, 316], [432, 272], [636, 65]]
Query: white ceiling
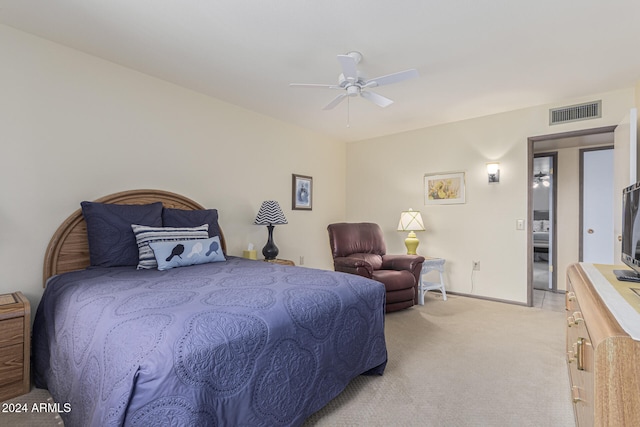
[[474, 57]]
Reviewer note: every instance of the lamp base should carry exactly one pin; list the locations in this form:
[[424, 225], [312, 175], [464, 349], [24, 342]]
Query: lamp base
[[270, 250], [411, 242]]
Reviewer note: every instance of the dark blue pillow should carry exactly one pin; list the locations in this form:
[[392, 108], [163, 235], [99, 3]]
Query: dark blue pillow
[[186, 218], [112, 242]]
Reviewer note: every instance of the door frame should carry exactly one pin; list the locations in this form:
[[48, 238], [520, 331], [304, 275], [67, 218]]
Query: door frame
[[530, 153]]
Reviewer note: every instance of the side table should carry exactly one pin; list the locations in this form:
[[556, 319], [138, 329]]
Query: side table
[[280, 261], [431, 264], [15, 345]]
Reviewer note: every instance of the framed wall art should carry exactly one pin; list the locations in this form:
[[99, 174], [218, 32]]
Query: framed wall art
[[302, 192], [444, 188]]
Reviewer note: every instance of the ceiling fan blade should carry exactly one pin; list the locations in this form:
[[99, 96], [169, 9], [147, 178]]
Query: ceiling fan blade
[[348, 64], [392, 78], [376, 98], [314, 85], [337, 100]]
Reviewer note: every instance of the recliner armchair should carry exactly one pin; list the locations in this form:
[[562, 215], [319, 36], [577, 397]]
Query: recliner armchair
[[359, 248]]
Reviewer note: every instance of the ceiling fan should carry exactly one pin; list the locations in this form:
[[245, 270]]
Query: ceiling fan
[[541, 178], [353, 83]]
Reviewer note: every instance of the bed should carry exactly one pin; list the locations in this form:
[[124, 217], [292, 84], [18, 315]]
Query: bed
[[229, 342], [540, 233]]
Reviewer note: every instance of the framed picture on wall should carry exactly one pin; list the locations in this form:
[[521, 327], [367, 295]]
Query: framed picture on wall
[[444, 188], [302, 192]]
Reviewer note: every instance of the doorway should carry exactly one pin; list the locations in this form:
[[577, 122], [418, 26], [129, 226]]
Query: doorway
[[544, 202], [564, 215]]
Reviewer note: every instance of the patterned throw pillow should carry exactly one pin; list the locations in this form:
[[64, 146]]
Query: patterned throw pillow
[[187, 252], [146, 235]]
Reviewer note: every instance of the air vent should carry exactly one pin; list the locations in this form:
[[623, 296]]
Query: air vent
[[574, 113]]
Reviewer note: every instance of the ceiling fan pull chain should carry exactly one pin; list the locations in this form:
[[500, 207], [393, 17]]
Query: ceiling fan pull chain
[[348, 112]]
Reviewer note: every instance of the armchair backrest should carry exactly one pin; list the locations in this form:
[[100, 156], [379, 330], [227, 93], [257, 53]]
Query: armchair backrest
[[356, 238]]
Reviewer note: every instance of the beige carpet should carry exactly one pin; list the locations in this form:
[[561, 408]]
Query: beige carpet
[[460, 362], [463, 362]]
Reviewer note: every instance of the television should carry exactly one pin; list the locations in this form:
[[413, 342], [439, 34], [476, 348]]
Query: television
[[630, 233]]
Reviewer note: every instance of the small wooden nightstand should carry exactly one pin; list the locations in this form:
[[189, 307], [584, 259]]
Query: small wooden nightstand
[[280, 261], [15, 345]]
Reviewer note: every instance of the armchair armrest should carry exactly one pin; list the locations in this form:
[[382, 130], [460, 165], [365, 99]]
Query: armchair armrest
[[402, 262], [353, 266]]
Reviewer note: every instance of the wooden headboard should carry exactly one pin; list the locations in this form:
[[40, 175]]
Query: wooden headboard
[[68, 249]]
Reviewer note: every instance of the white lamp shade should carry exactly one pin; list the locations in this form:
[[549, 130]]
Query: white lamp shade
[[492, 168], [270, 213], [411, 221]]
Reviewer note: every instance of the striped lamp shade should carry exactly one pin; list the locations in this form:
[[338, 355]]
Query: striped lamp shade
[[270, 213]]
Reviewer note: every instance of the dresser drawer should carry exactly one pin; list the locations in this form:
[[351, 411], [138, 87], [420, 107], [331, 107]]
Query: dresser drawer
[[11, 331], [11, 363]]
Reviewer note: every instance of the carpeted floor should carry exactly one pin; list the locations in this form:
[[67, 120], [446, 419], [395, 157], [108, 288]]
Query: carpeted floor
[[460, 362], [464, 362]]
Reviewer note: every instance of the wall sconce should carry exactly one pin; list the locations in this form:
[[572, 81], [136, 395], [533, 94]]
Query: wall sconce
[[493, 170]]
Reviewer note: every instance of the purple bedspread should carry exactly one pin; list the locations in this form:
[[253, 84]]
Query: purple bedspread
[[235, 343]]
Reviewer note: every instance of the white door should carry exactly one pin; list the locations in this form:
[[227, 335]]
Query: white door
[[597, 207]]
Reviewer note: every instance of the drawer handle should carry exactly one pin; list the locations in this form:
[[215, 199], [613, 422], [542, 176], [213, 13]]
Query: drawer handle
[[575, 394], [580, 354], [571, 296], [577, 317]]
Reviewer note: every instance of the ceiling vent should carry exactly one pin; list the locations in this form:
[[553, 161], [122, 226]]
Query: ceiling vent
[[574, 113]]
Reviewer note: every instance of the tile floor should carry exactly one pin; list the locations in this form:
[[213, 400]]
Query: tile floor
[[548, 300]]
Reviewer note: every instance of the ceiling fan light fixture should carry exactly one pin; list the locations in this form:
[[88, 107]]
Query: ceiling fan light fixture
[[353, 82]]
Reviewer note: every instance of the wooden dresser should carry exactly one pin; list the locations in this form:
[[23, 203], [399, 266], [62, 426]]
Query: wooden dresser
[[603, 359], [15, 344]]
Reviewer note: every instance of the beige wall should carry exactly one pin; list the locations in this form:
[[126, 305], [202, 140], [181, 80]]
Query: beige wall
[[74, 127], [568, 211], [385, 176]]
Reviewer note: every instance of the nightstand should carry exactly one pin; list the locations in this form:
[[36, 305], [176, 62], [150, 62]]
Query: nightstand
[[15, 345], [280, 261]]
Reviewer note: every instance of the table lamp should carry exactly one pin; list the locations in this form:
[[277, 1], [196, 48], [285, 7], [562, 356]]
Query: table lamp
[[269, 215], [411, 221]]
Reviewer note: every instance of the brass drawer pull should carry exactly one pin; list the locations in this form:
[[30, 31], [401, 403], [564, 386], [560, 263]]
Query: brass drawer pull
[[575, 394], [577, 317], [579, 350]]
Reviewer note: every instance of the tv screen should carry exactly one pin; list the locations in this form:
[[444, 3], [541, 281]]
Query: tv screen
[[630, 233]]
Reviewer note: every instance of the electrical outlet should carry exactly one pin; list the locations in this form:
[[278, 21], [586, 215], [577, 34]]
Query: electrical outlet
[[301, 260], [476, 265]]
